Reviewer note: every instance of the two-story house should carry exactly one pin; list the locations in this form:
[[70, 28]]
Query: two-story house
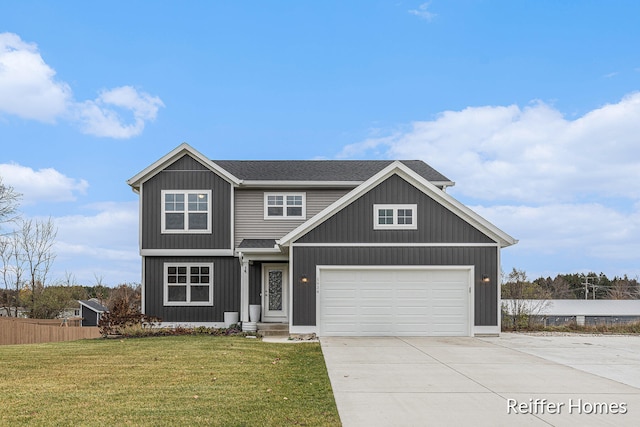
[[353, 248]]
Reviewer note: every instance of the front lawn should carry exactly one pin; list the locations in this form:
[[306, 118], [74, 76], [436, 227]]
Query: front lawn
[[183, 380]]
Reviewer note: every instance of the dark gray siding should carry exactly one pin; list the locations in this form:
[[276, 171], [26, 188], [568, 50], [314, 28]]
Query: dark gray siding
[[255, 283], [484, 259], [354, 223], [226, 290], [89, 317], [186, 174]]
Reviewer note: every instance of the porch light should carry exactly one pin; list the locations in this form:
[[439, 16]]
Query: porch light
[[304, 279], [485, 278]]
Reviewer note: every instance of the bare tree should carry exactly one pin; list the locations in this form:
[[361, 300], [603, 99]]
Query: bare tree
[[522, 299], [37, 238], [13, 266], [9, 201]]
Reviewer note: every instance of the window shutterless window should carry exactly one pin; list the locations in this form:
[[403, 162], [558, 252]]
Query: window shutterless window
[[188, 284], [186, 211], [285, 205], [398, 217]]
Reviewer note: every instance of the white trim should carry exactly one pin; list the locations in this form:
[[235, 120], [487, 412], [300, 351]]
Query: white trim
[[284, 317], [486, 330], [499, 290], [244, 289], [419, 182], [302, 329], [186, 252], [140, 226], [143, 293], [185, 212], [321, 184], [289, 184], [284, 215], [470, 283], [262, 256], [175, 154], [188, 284], [395, 226], [291, 265], [396, 245]]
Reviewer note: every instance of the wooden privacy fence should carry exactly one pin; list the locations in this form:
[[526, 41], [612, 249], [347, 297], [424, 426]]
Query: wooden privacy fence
[[34, 331]]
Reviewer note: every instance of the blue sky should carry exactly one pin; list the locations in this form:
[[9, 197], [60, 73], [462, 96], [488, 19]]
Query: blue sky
[[531, 107]]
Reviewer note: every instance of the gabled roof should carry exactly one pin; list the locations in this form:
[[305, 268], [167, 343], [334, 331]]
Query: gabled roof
[[94, 305], [402, 170], [170, 158], [348, 173], [355, 171]]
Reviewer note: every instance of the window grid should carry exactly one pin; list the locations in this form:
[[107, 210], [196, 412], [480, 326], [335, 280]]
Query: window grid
[[285, 206], [186, 211], [398, 217], [188, 284]]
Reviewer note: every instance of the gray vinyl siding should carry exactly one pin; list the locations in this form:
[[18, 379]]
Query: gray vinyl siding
[[484, 259], [226, 290], [435, 223], [255, 283], [249, 212], [186, 174]]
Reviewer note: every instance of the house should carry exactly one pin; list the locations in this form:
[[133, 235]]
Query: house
[[91, 311], [342, 248]]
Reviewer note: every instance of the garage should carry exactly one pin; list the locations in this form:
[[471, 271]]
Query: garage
[[394, 301]]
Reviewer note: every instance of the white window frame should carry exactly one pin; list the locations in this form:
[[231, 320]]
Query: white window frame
[[284, 206], [395, 225], [188, 284], [185, 230]]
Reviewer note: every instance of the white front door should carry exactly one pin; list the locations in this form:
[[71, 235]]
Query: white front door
[[274, 292]]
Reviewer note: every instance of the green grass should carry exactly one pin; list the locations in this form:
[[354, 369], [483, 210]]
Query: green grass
[[184, 380]]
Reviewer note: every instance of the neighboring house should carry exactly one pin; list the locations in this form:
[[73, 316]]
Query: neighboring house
[[91, 311], [558, 312], [357, 248]]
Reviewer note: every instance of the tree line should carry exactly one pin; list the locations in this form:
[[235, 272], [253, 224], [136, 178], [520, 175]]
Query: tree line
[[516, 285], [26, 258]]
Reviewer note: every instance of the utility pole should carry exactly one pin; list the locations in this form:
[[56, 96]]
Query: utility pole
[[586, 287]]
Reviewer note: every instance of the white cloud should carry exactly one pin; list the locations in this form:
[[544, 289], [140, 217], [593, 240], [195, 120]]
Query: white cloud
[[43, 185], [569, 190], [99, 118], [103, 243], [28, 90], [27, 85], [531, 154], [423, 12]]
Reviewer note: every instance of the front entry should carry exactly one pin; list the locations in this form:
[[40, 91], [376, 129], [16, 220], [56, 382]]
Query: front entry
[[274, 292]]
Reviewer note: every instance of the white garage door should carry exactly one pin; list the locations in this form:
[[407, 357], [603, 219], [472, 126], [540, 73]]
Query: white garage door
[[393, 302]]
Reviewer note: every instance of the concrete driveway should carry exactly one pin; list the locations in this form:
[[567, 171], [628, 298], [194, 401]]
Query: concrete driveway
[[509, 380]]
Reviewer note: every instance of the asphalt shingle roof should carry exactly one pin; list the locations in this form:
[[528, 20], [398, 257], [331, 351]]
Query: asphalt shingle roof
[[95, 306], [319, 170]]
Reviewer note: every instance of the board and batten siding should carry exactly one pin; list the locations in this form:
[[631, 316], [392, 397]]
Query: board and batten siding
[[435, 223], [186, 174], [226, 290], [249, 212], [484, 259]]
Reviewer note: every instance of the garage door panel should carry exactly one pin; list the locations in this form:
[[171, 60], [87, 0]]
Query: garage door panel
[[403, 302]]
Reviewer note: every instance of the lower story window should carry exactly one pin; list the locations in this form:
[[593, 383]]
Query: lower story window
[[188, 284]]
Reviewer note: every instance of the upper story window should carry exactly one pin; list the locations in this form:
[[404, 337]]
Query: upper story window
[[399, 217], [285, 205], [187, 211]]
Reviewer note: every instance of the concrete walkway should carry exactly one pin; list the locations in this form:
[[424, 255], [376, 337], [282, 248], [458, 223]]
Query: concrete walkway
[[504, 381]]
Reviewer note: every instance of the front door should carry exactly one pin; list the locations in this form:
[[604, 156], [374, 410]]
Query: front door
[[274, 292]]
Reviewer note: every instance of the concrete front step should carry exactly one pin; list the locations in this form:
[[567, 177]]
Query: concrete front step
[[273, 329]]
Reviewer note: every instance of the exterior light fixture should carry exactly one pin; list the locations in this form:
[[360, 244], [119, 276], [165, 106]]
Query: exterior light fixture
[[485, 278], [304, 279]]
